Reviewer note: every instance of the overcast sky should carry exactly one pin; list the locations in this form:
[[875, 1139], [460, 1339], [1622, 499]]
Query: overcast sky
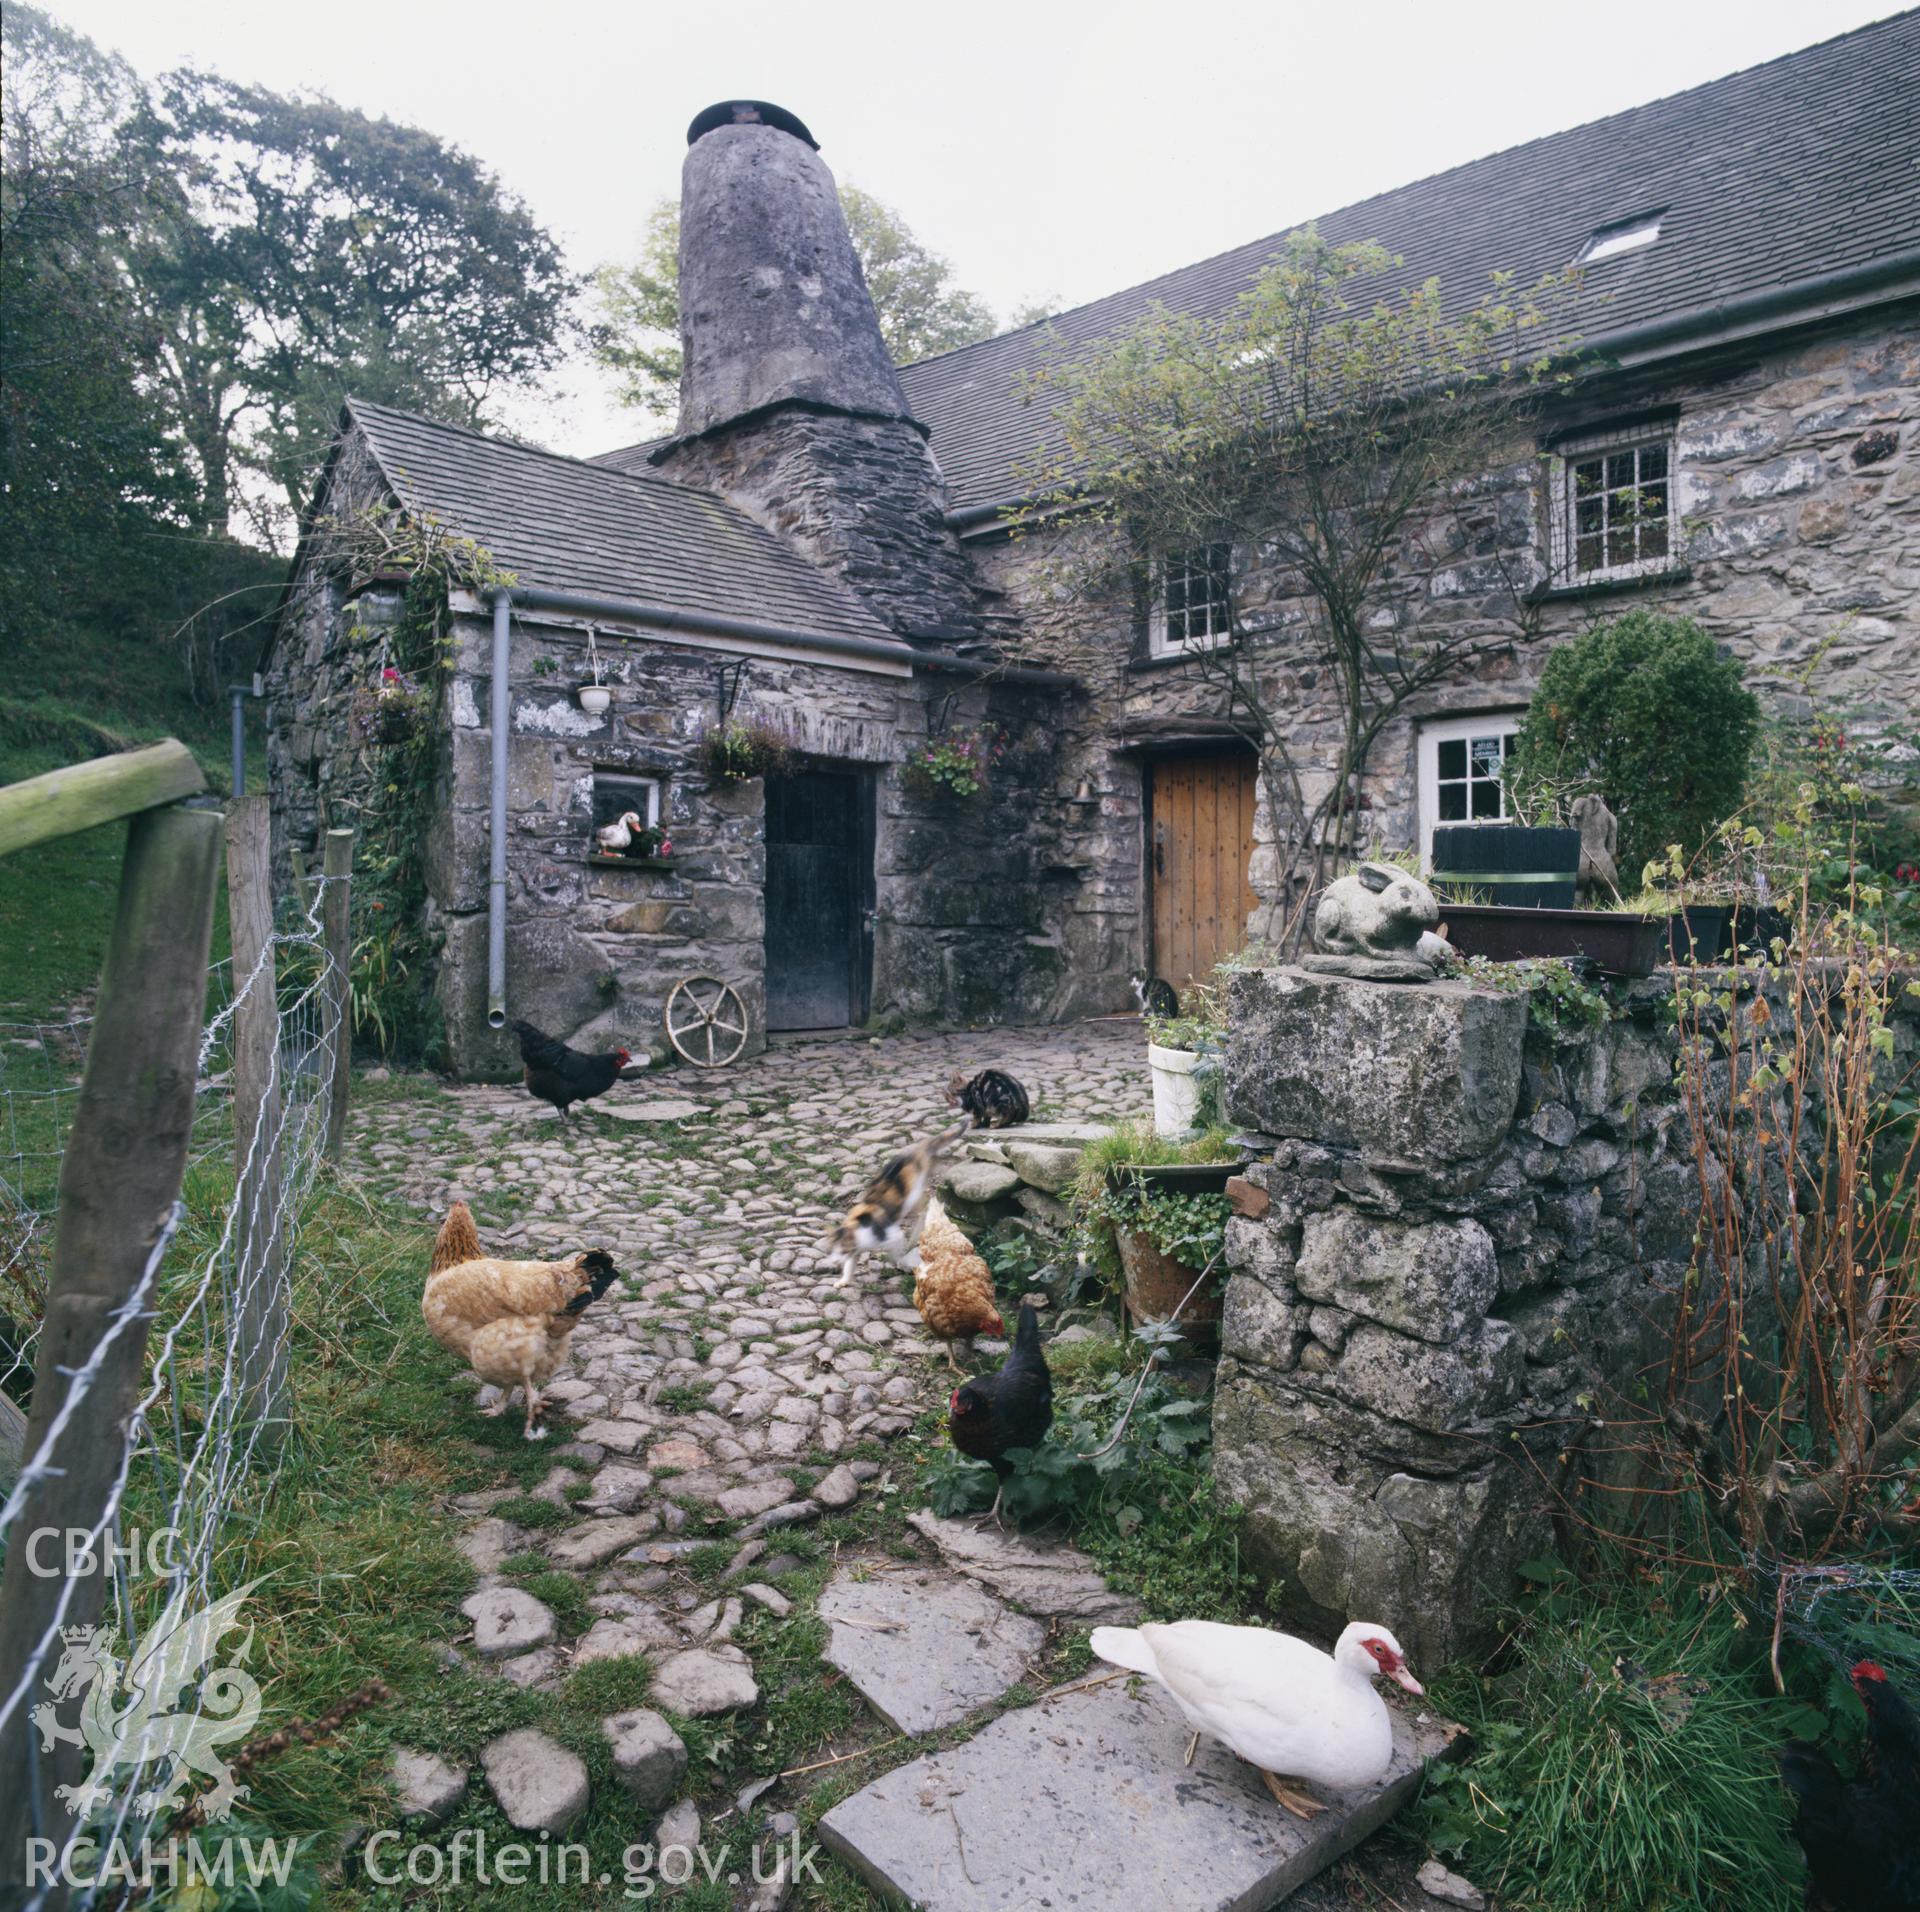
[[1049, 150]]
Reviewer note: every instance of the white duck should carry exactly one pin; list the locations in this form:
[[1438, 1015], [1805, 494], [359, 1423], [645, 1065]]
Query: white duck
[[615, 837], [1282, 1705]]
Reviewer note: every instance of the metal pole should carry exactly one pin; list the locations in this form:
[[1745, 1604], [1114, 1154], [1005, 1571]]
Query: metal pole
[[236, 692], [497, 849]]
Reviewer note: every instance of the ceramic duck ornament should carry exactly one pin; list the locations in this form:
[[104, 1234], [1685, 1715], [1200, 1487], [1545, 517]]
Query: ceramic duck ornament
[[615, 837], [1282, 1705]]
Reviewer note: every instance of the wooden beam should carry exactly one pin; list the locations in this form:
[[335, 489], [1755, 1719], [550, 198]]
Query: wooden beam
[[336, 920], [99, 791], [119, 1178], [260, 1229]]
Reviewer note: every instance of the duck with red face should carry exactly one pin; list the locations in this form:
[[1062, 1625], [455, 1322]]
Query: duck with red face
[[1284, 1706]]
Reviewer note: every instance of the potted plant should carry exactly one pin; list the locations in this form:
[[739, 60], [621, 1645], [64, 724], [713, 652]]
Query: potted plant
[[957, 765], [1183, 1060], [594, 698], [389, 710], [742, 748], [1155, 1213]]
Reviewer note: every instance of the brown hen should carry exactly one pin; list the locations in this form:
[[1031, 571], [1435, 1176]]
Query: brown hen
[[952, 1288]]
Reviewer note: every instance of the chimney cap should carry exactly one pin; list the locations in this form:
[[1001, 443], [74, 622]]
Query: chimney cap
[[749, 113]]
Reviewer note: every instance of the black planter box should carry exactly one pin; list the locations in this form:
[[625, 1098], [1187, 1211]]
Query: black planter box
[[1754, 928], [1698, 933], [1508, 864], [1613, 940]]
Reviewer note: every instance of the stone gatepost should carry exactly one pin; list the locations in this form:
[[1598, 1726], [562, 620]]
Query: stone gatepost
[[1453, 1207]]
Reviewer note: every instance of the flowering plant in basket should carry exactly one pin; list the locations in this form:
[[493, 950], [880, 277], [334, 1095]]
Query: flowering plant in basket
[[388, 712], [960, 765]]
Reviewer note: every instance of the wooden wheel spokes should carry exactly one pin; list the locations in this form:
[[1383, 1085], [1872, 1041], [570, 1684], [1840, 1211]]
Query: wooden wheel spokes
[[706, 1022]]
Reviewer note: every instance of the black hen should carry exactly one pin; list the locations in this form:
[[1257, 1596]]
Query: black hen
[[564, 1076], [1857, 1833], [994, 1413]]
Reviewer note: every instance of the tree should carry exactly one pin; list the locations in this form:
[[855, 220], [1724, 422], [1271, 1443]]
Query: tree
[[637, 332], [84, 466], [1338, 440], [300, 248], [1644, 711]]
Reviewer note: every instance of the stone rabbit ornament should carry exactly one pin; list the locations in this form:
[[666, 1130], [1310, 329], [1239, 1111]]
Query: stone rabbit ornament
[[1376, 922]]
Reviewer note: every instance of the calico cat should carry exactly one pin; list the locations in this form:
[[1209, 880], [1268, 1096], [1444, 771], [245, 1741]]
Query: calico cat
[[888, 1217], [1155, 996], [993, 1098]]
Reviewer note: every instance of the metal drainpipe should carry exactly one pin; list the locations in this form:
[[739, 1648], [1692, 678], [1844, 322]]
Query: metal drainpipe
[[497, 846], [236, 692]]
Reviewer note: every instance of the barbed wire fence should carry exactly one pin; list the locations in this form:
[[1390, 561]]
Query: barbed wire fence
[[174, 1482]]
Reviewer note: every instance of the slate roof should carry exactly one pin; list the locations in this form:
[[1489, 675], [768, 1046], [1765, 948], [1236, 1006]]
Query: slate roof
[[1805, 166], [574, 526]]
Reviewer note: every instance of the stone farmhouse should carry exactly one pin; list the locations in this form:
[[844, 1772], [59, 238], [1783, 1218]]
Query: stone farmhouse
[[823, 544]]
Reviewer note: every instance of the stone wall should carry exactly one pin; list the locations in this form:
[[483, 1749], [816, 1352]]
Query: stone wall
[[1466, 1221], [1798, 491], [859, 498]]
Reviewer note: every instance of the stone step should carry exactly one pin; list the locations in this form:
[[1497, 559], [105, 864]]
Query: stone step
[[1082, 1799]]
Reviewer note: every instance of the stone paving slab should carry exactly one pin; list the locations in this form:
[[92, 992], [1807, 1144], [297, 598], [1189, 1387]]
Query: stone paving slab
[[923, 1647], [1044, 1577], [1081, 1801]]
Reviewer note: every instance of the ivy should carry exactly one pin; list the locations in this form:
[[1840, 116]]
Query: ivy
[[400, 716]]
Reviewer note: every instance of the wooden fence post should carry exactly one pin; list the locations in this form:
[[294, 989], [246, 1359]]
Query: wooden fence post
[[260, 1229], [335, 919], [302, 882], [120, 1176]]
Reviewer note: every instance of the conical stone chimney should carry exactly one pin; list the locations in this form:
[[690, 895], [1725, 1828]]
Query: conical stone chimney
[[789, 404]]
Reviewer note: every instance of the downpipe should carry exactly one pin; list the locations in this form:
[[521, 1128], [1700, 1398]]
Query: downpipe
[[501, 718]]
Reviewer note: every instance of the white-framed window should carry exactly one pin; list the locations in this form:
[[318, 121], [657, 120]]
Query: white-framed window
[[1462, 760], [615, 794], [1613, 514], [1191, 591]]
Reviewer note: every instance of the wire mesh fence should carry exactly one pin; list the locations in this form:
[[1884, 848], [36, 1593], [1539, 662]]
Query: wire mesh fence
[[204, 1440]]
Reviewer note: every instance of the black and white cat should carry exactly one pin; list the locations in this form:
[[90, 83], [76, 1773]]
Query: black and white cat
[[1155, 996]]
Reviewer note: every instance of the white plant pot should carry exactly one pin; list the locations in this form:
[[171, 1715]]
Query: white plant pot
[[1176, 1094], [594, 699]]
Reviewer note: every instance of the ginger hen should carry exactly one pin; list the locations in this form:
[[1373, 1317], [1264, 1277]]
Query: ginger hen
[[511, 1321], [952, 1287]]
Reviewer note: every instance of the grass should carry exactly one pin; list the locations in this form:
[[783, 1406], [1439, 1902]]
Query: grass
[[1624, 1762]]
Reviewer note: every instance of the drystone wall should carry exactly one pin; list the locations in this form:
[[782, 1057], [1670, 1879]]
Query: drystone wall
[[1466, 1221]]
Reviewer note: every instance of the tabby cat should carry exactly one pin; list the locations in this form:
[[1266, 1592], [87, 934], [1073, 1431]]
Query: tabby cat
[[993, 1098], [888, 1217]]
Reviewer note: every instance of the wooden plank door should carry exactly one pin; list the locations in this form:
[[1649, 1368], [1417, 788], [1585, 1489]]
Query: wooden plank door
[[819, 874], [1200, 845]]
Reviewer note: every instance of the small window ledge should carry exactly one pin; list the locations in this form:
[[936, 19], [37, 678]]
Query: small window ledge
[[1609, 587]]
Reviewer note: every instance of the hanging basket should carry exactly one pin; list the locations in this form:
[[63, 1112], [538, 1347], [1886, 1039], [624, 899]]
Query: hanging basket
[[390, 711]]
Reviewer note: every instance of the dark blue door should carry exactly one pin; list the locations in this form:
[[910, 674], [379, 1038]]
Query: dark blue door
[[819, 872]]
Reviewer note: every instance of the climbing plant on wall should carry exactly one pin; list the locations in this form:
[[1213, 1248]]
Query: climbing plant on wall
[[399, 722]]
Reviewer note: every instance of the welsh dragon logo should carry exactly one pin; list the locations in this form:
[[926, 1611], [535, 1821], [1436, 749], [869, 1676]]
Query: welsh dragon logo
[[139, 1713]]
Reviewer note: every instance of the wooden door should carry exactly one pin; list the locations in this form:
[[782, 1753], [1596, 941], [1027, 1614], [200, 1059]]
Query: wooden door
[[1200, 844], [819, 875]]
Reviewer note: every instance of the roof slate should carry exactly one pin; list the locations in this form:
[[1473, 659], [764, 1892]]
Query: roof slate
[[574, 526], [1807, 165]]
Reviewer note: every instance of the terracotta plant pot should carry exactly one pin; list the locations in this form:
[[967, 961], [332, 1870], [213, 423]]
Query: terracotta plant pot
[[1155, 1283]]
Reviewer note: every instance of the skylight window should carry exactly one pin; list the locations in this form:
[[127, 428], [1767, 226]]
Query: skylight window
[[1625, 235]]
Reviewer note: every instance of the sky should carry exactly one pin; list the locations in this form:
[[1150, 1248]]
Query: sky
[[1050, 151]]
